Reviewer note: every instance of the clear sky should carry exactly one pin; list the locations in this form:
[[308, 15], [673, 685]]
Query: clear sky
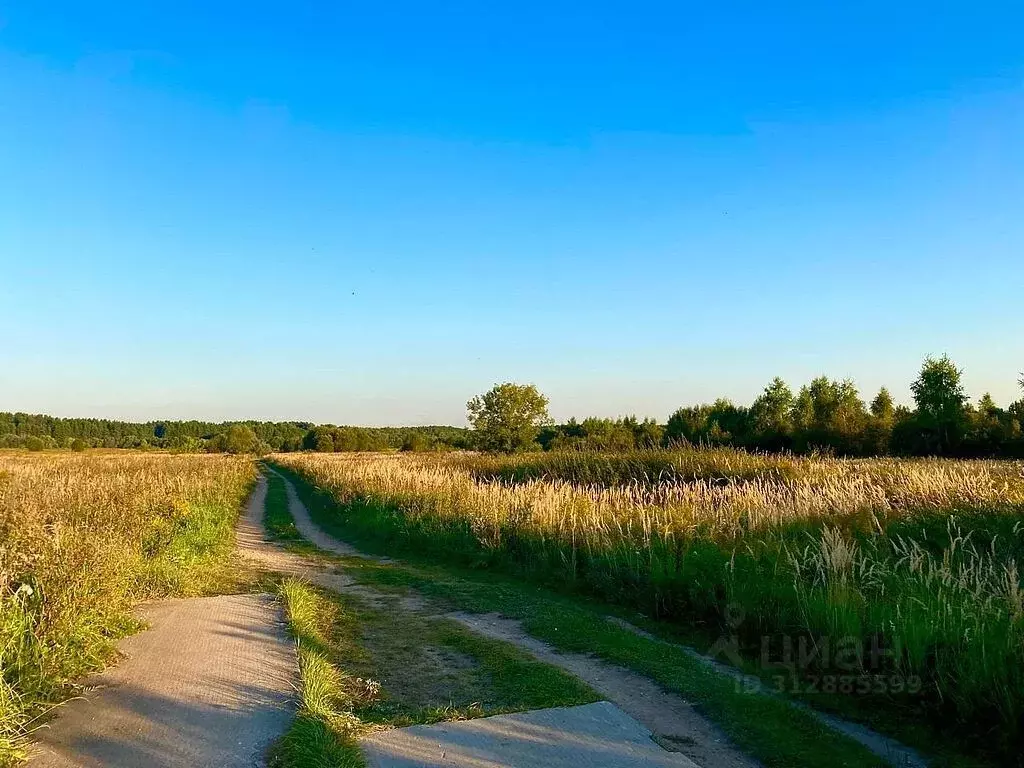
[[368, 212]]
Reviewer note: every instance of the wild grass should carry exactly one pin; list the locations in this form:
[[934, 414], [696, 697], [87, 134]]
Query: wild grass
[[766, 727], [324, 731], [911, 566], [640, 467], [83, 538]]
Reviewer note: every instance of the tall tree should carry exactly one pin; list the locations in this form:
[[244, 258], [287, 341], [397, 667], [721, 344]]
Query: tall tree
[[941, 403], [882, 407], [878, 434], [771, 416], [720, 423], [508, 417]]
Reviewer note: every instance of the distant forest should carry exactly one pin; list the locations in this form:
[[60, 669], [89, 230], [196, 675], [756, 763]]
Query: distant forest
[[824, 416], [22, 430]]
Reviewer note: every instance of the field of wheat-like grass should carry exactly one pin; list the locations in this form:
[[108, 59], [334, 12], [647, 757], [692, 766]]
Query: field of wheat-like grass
[[900, 578], [83, 538]]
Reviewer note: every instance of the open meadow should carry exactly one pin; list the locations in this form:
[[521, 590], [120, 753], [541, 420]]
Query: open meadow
[[885, 590], [886, 586], [83, 539]]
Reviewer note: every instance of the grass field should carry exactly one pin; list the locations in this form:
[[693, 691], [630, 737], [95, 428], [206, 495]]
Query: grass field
[[889, 584], [83, 538]]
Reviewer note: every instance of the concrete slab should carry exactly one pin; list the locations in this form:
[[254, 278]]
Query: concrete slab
[[598, 734], [210, 683]]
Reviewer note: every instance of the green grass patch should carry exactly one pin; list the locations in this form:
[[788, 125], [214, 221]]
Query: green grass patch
[[323, 732], [194, 555], [767, 728], [366, 666], [432, 669]]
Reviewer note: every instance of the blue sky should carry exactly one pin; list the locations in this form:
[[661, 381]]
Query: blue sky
[[368, 212]]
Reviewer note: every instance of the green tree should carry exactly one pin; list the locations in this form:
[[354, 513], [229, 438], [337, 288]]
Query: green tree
[[720, 423], [34, 443], [991, 428], [882, 407], [185, 444], [508, 417], [688, 424], [646, 434], [941, 404], [78, 445], [241, 439], [771, 416], [319, 439], [830, 414], [878, 440]]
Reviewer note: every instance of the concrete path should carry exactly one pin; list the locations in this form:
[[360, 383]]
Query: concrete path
[[598, 734], [210, 683]]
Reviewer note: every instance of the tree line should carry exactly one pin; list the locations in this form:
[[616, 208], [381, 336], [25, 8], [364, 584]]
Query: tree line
[[38, 432], [825, 415]]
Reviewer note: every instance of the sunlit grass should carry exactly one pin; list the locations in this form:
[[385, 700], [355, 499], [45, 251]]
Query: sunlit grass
[[918, 557]]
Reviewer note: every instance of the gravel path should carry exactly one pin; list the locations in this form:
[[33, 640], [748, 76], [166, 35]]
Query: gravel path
[[210, 683]]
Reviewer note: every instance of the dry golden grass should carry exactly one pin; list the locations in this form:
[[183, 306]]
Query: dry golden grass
[[838, 492], [85, 537]]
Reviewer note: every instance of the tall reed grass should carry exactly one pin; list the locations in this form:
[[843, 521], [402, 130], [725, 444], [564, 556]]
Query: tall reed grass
[[83, 538], [640, 467], [912, 566]]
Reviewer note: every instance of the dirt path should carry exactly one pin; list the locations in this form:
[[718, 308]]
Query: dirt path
[[253, 543], [674, 723], [210, 683]]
